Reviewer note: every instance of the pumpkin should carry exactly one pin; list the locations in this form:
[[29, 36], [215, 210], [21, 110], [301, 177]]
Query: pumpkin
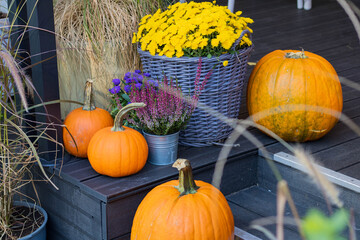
[[183, 209], [118, 151], [82, 123], [296, 95]]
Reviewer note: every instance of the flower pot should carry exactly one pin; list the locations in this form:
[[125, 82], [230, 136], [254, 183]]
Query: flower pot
[[162, 148], [40, 233]]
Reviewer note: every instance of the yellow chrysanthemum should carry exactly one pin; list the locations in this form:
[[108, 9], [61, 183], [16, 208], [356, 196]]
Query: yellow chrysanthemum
[[196, 26], [225, 63], [215, 42], [134, 38]]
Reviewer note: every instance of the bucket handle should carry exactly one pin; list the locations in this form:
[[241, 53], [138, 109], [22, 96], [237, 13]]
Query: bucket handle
[[246, 31]]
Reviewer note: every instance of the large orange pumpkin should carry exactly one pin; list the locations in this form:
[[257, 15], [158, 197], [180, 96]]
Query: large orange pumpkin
[[82, 123], [118, 151], [183, 209], [296, 95]]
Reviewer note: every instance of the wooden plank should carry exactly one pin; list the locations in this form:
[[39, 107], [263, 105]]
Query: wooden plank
[[308, 37], [341, 156], [352, 170], [121, 213], [124, 237], [81, 170], [65, 230], [71, 205], [336, 136], [298, 26], [70, 193], [263, 202], [304, 191], [238, 174], [301, 186], [243, 217]]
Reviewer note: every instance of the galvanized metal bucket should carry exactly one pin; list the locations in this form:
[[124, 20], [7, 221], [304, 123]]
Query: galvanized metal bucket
[[162, 148]]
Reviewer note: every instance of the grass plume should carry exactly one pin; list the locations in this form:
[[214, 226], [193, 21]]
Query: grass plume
[[327, 188]]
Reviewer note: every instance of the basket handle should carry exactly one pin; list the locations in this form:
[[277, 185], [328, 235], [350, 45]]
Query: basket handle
[[246, 31]]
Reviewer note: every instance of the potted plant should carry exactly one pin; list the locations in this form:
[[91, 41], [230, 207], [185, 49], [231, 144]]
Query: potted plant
[[18, 153], [167, 110], [172, 42]]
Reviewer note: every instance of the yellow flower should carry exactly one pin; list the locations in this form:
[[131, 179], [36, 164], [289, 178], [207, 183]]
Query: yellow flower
[[134, 38], [191, 25], [179, 53], [169, 54], [215, 42], [238, 13], [225, 63]]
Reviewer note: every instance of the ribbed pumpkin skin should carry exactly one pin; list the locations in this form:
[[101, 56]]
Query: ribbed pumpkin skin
[[278, 83], [117, 154], [204, 215], [83, 125]]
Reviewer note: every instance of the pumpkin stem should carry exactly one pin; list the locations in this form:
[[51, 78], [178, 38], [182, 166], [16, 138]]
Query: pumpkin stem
[[89, 98], [297, 55], [118, 125], [186, 180]]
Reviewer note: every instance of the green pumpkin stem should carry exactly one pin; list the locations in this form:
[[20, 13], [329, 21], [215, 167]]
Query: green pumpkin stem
[[89, 97], [119, 118], [186, 180], [296, 55]]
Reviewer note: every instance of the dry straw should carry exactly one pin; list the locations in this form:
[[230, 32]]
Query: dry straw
[[94, 42]]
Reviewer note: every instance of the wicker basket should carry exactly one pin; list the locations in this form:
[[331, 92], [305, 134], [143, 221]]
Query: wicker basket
[[222, 91]]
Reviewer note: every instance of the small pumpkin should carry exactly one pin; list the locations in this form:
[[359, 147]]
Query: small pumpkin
[[118, 151], [82, 123], [183, 209], [295, 94]]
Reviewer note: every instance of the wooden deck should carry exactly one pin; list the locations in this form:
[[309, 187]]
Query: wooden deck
[[324, 30], [99, 207]]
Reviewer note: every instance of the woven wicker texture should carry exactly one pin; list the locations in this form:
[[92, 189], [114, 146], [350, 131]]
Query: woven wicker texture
[[222, 91]]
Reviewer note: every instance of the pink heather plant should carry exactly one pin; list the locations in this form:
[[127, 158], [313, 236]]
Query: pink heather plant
[[167, 109]]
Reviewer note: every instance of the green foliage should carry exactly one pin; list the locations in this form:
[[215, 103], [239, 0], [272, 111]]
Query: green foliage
[[317, 226]]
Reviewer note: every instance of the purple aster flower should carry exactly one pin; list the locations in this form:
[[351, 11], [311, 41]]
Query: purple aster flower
[[137, 71], [128, 80], [138, 85], [147, 75], [128, 74], [140, 78], [112, 90], [117, 89], [153, 82], [116, 81], [134, 79], [127, 88]]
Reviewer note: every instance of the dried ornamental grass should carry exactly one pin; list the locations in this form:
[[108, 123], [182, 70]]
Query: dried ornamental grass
[[94, 41]]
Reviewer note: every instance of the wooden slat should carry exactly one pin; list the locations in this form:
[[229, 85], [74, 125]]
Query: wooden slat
[[70, 204], [335, 137], [352, 170], [59, 228], [245, 214], [341, 156]]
